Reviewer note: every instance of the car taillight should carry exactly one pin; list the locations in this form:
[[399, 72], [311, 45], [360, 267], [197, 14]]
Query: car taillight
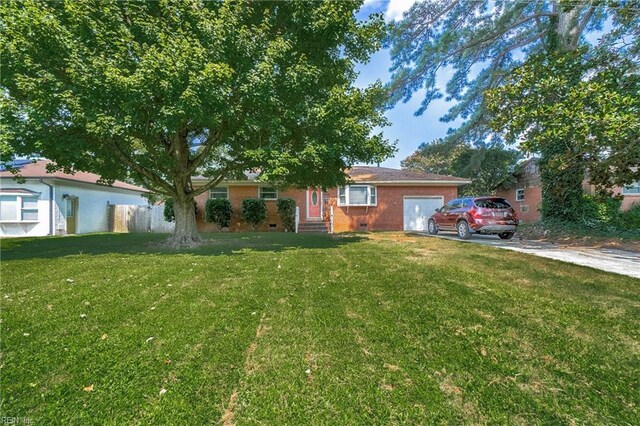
[[475, 213]]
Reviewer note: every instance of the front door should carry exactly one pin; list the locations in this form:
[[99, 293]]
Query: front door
[[71, 214], [314, 203]]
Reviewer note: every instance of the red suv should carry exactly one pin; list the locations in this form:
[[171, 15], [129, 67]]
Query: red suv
[[481, 215]]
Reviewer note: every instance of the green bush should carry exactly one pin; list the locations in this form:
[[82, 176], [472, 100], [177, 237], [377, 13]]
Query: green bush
[[287, 212], [218, 211], [597, 212], [168, 212], [254, 211], [630, 219]]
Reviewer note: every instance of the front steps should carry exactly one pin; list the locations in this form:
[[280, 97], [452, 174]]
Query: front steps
[[314, 227]]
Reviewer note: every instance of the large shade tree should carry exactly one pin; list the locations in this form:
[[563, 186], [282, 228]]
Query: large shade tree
[[161, 91], [486, 166], [483, 42]]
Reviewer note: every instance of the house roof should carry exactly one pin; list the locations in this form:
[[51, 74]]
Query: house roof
[[389, 175], [38, 170], [372, 174]]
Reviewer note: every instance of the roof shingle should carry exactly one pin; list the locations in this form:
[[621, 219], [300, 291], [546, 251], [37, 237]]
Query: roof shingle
[[385, 174], [39, 170]]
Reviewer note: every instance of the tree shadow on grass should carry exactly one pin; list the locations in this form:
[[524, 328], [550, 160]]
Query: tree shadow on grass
[[134, 244]]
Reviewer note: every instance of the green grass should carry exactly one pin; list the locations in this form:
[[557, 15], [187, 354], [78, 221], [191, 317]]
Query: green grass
[[292, 329]]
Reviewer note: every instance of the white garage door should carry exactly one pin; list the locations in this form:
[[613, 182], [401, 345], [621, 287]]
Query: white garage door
[[417, 211]]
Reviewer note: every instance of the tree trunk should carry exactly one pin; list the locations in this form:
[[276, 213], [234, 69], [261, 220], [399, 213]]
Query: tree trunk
[[185, 233]]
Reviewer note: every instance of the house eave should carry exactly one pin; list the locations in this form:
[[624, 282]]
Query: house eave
[[414, 182]]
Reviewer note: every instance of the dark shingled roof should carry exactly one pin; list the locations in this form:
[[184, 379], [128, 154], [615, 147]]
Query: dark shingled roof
[[39, 170], [385, 174]]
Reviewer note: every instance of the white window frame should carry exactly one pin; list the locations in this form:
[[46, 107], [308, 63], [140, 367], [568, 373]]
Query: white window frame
[[20, 209], [372, 193], [520, 194], [635, 188], [226, 195], [262, 188]]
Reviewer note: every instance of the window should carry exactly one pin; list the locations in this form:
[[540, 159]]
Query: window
[[219, 192], [492, 203], [268, 193], [357, 195], [29, 208], [15, 208], [634, 188], [519, 194], [8, 207]]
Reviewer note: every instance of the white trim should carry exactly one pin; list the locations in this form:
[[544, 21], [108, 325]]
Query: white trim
[[320, 200], [413, 182], [68, 181], [523, 195], [419, 197], [219, 187], [260, 187], [19, 208], [347, 200], [200, 182], [632, 185]]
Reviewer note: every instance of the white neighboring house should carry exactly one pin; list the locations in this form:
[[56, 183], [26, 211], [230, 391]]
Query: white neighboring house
[[59, 203]]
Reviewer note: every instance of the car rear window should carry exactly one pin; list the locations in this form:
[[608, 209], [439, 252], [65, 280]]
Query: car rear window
[[492, 203]]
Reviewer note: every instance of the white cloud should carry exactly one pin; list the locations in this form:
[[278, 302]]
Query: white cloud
[[396, 8]]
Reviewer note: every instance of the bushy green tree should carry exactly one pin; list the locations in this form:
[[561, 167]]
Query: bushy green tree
[[161, 91], [487, 166], [287, 212], [484, 42], [254, 211], [582, 115], [218, 211]]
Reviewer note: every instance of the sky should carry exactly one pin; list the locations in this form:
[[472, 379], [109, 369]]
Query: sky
[[409, 130], [406, 128]]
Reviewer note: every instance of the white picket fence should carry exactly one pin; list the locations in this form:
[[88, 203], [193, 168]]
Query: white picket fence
[[130, 218]]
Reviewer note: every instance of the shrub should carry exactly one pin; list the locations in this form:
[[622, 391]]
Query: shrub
[[287, 212], [168, 212], [254, 211], [597, 212], [218, 211], [630, 220]]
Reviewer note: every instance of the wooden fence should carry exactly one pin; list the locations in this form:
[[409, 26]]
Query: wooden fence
[[126, 218]]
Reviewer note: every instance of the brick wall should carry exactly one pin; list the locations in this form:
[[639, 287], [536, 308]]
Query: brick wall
[[388, 214], [236, 195], [529, 209]]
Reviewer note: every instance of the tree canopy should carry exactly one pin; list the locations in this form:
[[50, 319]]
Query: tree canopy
[[487, 167], [583, 116], [482, 41], [160, 91]]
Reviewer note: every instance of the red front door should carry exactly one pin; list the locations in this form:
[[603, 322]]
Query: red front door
[[314, 206]]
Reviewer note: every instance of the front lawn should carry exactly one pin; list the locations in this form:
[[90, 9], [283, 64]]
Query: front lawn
[[308, 329]]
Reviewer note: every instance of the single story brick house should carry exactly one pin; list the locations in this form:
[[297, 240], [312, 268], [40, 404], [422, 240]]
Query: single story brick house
[[59, 203], [525, 195], [378, 199]]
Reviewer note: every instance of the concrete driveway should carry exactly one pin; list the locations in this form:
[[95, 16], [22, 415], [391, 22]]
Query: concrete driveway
[[610, 260]]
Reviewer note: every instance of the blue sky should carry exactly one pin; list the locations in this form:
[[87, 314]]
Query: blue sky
[[409, 130]]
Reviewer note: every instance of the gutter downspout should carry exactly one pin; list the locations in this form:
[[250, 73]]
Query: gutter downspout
[[51, 200]]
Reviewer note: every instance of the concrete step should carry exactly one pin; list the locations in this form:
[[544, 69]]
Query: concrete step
[[317, 227]]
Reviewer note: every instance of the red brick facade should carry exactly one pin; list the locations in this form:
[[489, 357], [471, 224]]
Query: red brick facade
[[387, 215], [528, 179]]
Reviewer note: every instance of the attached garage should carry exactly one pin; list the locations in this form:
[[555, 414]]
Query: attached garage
[[417, 210]]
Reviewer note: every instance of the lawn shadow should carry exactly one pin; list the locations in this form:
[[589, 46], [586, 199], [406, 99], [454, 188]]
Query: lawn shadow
[[214, 244]]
